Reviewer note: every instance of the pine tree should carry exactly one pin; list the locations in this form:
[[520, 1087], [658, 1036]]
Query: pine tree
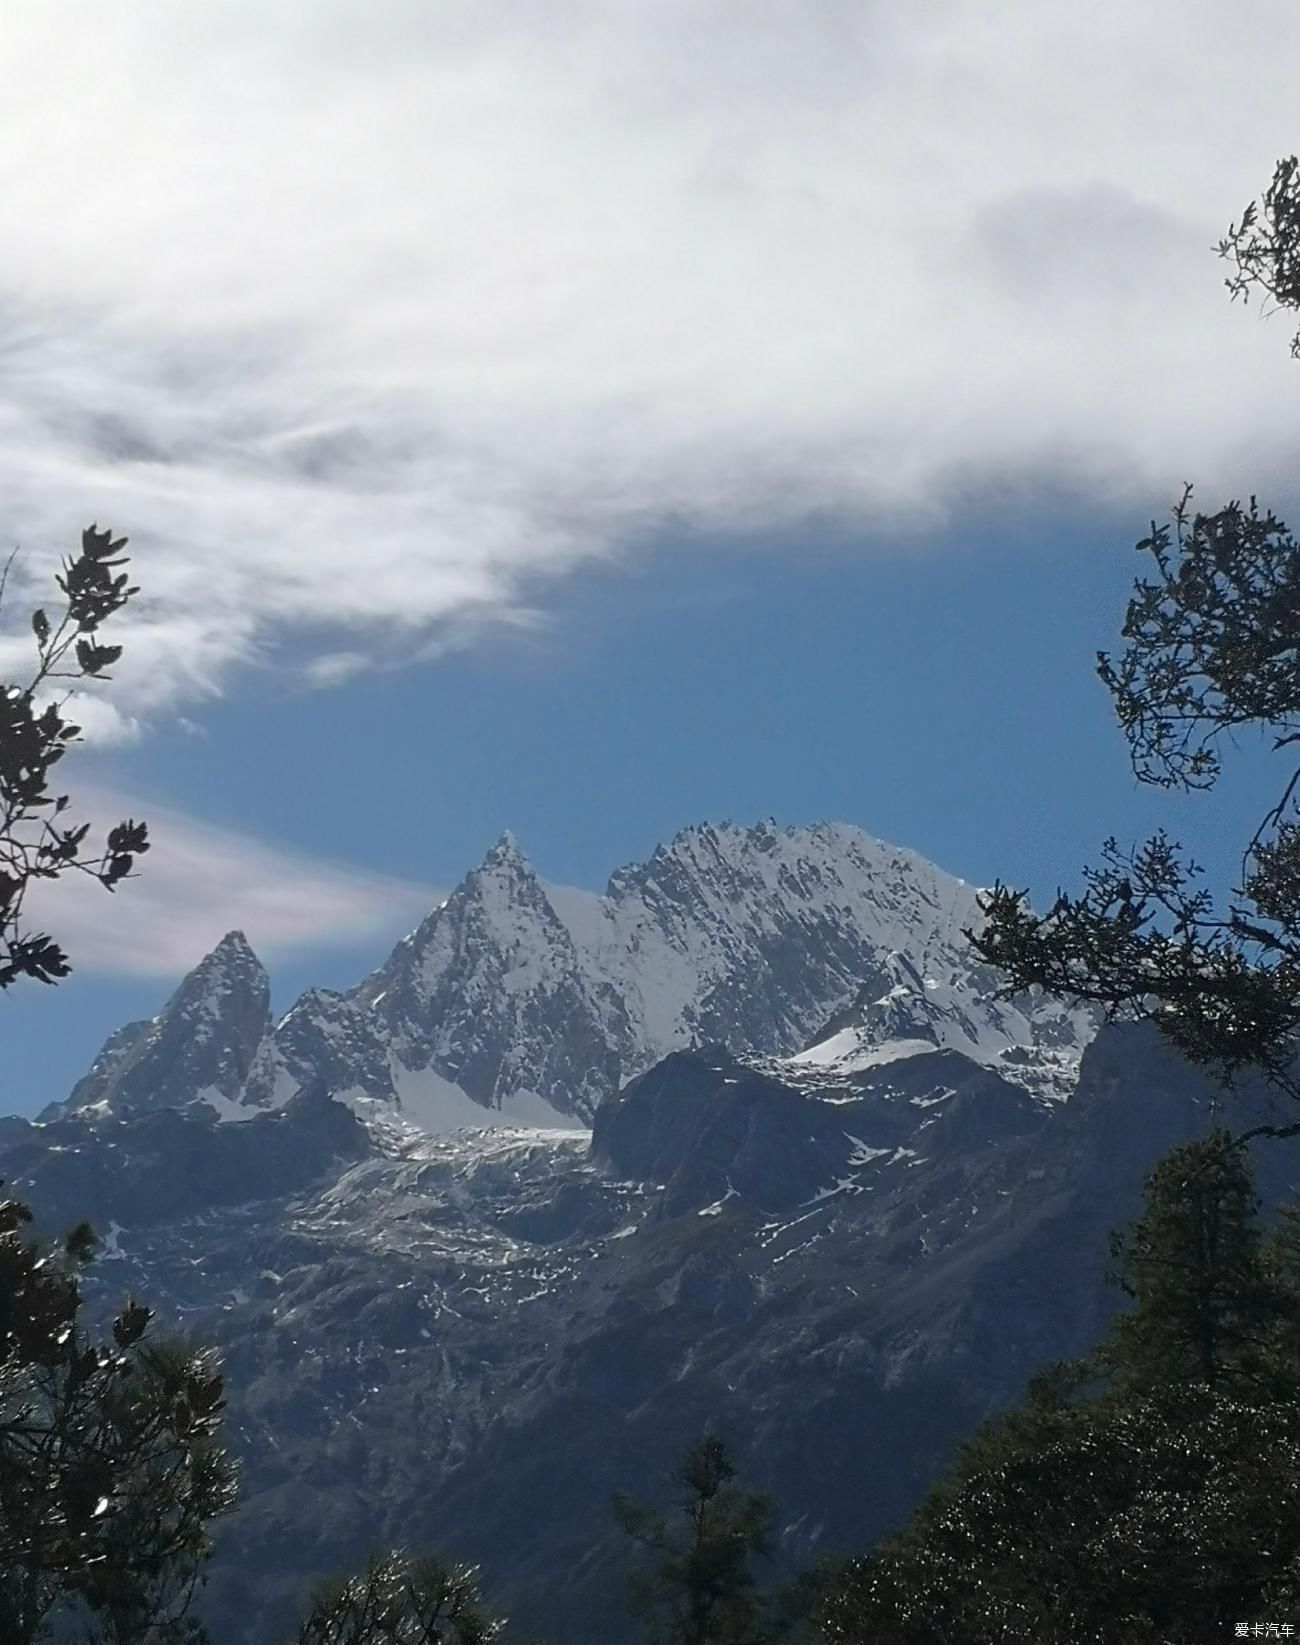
[[1162, 1519], [1148, 1492], [1208, 1308], [700, 1588], [1149, 1495], [111, 1471], [401, 1600], [1282, 1256]]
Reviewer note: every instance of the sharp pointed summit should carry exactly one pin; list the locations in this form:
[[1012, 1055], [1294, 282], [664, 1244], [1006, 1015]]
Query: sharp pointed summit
[[201, 1047], [234, 943], [505, 856]]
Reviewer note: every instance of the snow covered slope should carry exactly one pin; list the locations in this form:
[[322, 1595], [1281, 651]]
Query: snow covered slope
[[534, 1001], [904, 1012]]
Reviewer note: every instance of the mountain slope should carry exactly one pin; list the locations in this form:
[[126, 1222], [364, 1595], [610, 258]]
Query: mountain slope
[[824, 1207], [467, 1341]]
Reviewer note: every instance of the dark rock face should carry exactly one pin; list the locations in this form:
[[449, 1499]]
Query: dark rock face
[[152, 1168], [706, 1128], [489, 991], [326, 1039], [202, 1045], [468, 1341]]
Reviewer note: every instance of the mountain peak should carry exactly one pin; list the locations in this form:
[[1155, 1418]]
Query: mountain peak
[[506, 854], [200, 1046], [233, 947], [730, 837]]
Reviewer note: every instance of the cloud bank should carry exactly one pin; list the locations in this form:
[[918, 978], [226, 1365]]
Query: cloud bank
[[365, 320], [196, 883]]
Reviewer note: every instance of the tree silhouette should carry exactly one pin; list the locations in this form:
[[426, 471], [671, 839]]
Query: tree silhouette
[[1212, 650], [36, 842]]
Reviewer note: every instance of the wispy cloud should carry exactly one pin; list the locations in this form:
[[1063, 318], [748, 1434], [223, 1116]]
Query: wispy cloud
[[364, 319], [196, 883]]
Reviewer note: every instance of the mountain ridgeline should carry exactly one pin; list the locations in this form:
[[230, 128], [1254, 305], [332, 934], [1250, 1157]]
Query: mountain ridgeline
[[747, 1143], [520, 1001]]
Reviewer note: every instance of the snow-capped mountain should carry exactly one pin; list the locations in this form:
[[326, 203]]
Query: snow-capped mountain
[[828, 1206], [534, 1001], [203, 1046]]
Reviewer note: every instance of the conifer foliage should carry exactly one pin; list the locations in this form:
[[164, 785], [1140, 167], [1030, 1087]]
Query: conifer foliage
[[400, 1600], [1147, 1493], [110, 1466], [1209, 1308], [699, 1586]]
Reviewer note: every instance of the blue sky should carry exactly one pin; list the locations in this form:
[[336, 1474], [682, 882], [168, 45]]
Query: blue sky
[[944, 699], [597, 421]]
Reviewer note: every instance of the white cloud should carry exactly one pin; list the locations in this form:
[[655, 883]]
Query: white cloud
[[197, 882], [100, 722], [361, 319], [334, 667]]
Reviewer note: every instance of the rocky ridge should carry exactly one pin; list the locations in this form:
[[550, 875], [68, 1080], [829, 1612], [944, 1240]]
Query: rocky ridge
[[533, 1002]]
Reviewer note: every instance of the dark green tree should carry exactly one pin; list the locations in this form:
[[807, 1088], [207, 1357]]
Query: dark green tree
[[1212, 650], [1265, 246], [1157, 1520], [1149, 1493], [1282, 1247], [699, 1587], [110, 1467], [37, 842], [1144, 1493], [1208, 1307], [400, 1600]]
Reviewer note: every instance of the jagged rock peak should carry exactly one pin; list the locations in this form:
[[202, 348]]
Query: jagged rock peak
[[314, 1000], [505, 854], [502, 857], [226, 973], [234, 948], [225, 976], [199, 1048], [717, 849]]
